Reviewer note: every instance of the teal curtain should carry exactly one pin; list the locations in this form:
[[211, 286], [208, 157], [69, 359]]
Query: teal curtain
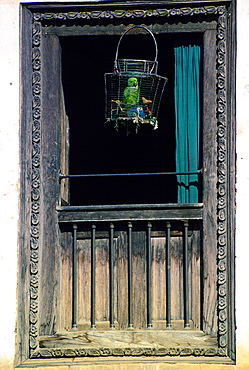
[[187, 115]]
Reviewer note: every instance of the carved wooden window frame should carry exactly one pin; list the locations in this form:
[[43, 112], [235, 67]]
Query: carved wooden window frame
[[28, 352]]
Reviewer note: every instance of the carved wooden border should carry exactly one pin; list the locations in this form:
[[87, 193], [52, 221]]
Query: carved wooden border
[[222, 181], [119, 352], [35, 191], [132, 13], [221, 12]]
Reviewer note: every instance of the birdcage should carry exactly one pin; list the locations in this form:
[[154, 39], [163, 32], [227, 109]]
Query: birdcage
[[134, 91]]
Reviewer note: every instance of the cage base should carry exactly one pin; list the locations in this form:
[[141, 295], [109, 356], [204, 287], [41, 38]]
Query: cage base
[[134, 122]]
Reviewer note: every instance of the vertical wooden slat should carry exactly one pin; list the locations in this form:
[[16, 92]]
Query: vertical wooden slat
[[102, 279], [185, 277], [74, 281], [121, 286], [93, 277], [139, 280], [168, 278], [130, 307], [149, 316], [66, 292], [112, 326], [195, 274]]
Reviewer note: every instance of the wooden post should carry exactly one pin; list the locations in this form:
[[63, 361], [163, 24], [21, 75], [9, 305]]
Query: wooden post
[[74, 280], [168, 278], [185, 277], [112, 326], [130, 308], [93, 276], [149, 318]]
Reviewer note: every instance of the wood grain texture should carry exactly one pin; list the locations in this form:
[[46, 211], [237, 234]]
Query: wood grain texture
[[119, 29], [22, 345], [129, 215], [55, 261], [65, 288], [139, 279], [51, 116], [64, 151], [121, 279], [231, 159], [209, 185]]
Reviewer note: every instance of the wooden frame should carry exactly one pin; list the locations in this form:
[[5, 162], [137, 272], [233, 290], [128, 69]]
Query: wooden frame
[[218, 21]]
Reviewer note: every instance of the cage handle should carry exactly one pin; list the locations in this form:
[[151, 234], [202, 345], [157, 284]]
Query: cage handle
[[116, 57]]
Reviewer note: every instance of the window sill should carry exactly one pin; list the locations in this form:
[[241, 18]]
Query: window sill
[[131, 212]]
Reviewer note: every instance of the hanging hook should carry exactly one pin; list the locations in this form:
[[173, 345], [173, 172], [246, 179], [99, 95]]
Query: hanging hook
[[116, 56]]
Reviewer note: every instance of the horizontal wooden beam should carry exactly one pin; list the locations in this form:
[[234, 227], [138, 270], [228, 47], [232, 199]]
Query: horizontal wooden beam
[[68, 214], [91, 4], [86, 30]]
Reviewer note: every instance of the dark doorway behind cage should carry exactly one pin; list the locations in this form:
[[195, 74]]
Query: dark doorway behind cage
[[95, 146]]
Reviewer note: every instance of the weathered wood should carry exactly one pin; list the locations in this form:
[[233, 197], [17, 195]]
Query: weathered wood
[[50, 254], [102, 281], [84, 280], [55, 265], [231, 160], [148, 274], [64, 151], [195, 262], [122, 4], [118, 207], [111, 274], [139, 285], [93, 276], [121, 278], [186, 280], [134, 215], [209, 272], [131, 339], [129, 273], [23, 314], [168, 275], [119, 29], [177, 278], [64, 319], [74, 278], [139, 280], [104, 234], [158, 281]]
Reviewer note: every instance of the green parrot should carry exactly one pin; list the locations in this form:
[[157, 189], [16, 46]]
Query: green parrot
[[131, 92]]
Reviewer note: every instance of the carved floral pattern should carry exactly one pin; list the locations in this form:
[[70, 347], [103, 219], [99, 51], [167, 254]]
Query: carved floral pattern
[[35, 191], [133, 13], [104, 352], [222, 172], [220, 11]]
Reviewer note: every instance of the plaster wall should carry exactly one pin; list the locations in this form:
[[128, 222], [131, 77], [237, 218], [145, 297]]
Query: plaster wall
[[9, 192]]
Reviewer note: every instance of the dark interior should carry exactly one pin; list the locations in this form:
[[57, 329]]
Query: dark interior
[[95, 146]]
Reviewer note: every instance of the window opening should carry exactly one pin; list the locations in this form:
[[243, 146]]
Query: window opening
[[95, 147]]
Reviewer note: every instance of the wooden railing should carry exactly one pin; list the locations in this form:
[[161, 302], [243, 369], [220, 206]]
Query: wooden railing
[[139, 227]]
